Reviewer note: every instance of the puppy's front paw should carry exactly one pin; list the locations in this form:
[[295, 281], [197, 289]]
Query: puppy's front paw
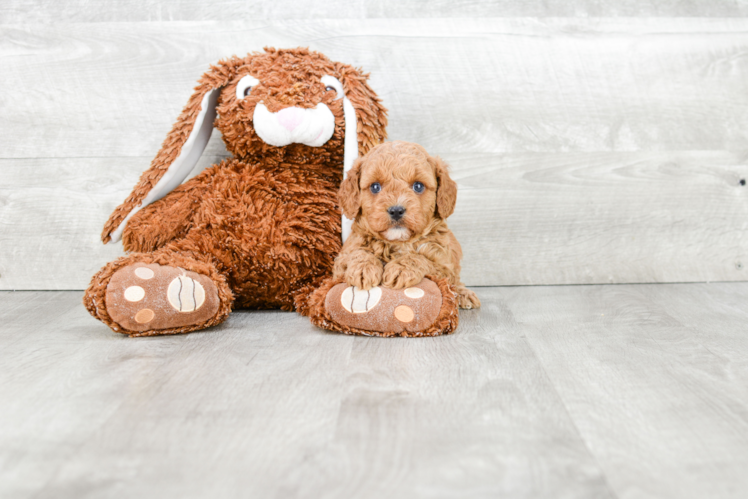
[[364, 275], [398, 276], [466, 299]]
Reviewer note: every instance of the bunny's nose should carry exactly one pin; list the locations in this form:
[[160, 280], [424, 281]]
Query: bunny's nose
[[290, 117], [396, 212]]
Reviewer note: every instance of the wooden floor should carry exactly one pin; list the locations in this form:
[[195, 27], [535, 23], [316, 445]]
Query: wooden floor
[[571, 391]]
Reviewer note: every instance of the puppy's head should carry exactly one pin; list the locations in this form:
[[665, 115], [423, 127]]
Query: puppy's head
[[397, 190]]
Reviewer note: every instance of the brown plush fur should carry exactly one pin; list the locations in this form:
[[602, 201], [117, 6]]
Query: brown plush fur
[[265, 224], [399, 254]]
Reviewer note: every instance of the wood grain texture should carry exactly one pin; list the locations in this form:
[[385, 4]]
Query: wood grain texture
[[266, 405], [601, 217], [415, 422], [80, 11], [584, 391], [587, 150], [147, 410], [52, 212], [654, 377], [452, 85], [526, 218]]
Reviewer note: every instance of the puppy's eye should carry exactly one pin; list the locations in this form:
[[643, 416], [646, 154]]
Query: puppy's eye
[[329, 88], [247, 91], [418, 187], [375, 188]]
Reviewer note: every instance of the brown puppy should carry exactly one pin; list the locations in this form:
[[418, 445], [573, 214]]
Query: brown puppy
[[399, 197]]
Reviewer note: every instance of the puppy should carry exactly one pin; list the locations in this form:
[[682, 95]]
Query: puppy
[[399, 198]]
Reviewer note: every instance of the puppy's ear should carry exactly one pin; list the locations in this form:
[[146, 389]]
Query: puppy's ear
[[349, 194], [446, 191], [181, 149]]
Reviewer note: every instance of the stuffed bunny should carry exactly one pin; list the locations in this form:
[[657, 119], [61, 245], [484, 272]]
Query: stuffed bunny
[[257, 229]]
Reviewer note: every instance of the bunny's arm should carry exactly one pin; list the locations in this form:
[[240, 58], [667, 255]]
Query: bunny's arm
[[168, 219]]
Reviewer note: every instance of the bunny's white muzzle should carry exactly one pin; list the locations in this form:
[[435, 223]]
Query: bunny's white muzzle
[[310, 126], [313, 127]]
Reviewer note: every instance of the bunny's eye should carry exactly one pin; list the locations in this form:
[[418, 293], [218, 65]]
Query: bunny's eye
[[332, 83], [375, 188], [418, 187], [245, 85]]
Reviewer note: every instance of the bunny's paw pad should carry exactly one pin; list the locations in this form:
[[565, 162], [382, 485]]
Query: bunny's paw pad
[[143, 297], [385, 310]]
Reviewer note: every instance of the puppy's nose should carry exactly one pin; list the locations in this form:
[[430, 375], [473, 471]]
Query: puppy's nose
[[396, 212]]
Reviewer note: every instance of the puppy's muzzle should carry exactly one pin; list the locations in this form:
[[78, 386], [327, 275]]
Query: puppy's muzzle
[[396, 212]]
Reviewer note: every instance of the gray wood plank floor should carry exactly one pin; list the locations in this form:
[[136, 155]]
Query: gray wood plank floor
[[572, 391]]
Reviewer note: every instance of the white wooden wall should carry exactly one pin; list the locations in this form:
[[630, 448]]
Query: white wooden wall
[[593, 141]]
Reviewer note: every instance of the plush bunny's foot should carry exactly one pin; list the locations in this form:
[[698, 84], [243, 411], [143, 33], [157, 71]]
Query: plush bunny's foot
[[144, 297], [427, 309]]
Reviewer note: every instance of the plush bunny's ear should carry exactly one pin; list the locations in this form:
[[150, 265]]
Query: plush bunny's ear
[[179, 153], [365, 121], [350, 153], [350, 141]]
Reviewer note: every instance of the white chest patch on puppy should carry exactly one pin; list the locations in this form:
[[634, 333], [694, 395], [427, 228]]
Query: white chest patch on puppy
[[397, 234], [310, 126], [357, 301]]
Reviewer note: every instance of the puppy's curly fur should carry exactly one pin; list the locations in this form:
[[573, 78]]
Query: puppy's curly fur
[[399, 253]]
